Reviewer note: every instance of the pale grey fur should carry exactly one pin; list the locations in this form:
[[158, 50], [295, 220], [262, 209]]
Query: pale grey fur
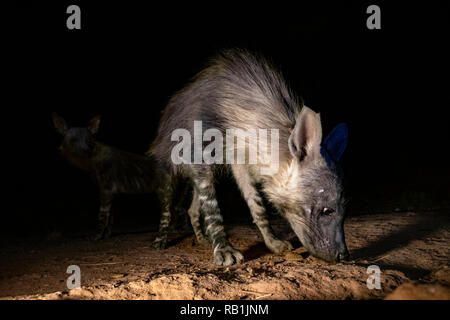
[[240, 90]]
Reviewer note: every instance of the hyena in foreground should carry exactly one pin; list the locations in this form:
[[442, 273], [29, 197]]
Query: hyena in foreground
[[116, 171], [242, 91]]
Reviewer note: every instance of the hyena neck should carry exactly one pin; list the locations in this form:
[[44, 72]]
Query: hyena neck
[[282, 187], [100, 153], [279, 186], [82, 163]]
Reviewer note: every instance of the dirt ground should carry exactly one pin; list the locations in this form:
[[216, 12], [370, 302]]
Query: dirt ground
[[411, 249]]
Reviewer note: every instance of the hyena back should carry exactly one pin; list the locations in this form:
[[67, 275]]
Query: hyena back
[[118, 172], [240, 90]]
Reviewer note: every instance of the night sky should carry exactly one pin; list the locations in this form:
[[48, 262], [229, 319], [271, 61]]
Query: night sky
[[390, 86]]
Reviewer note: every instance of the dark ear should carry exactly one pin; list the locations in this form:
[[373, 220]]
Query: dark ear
[[60, 123], [94, 124], [304, 142], [334, 144]]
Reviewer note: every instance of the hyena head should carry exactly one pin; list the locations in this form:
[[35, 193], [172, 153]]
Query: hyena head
[[78, 142], [314, 200]]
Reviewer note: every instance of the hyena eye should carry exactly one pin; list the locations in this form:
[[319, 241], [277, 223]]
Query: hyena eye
[[327, 211]]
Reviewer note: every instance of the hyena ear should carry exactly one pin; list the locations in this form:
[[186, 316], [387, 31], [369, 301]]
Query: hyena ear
[[334, 144], [94, 124], [60, 123], [305, 139]]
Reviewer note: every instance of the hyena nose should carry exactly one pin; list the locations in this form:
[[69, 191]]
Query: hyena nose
[[343, 256]]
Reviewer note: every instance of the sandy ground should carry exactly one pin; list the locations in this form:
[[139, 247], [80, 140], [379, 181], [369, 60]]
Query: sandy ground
[[411, 249]]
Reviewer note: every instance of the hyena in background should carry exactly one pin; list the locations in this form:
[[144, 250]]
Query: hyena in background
[[115, 172], [240, 90]]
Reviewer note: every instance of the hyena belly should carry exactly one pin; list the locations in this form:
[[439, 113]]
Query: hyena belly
[[238, 91]]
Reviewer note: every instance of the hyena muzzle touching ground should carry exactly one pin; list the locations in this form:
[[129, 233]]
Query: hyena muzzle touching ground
[[243, 91], [119, 172]]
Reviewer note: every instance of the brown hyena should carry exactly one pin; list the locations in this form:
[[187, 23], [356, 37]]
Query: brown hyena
[[119, 172], [243, 91]]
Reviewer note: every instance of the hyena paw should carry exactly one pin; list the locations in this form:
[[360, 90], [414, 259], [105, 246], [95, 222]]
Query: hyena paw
[[97, 237], [227, 255], [278, 246], [203, 241], [159, 243]]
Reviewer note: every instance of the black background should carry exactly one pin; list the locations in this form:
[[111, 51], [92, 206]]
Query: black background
[[390, 86]]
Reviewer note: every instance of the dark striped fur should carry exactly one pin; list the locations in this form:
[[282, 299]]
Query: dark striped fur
[[118, 172]]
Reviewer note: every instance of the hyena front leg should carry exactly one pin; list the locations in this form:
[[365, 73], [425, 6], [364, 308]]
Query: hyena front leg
[[194, 215], [165, 193], [105, 218], [257, 210], [224, 253]]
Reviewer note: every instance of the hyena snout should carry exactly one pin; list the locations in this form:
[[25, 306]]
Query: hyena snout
[[343, 256], [326, 242], [335, 253], [342, 253]]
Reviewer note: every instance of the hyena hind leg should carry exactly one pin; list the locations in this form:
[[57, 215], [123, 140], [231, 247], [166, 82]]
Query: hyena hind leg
[[257, 210], [165, 196], [181, 199], [194, 215], [224, 253], [105, 218]]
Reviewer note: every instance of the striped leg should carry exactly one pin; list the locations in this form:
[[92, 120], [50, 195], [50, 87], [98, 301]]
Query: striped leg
[[104, 216], [224, 253], [165, 196], [180, 201], [194, 214], [257, 210]]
